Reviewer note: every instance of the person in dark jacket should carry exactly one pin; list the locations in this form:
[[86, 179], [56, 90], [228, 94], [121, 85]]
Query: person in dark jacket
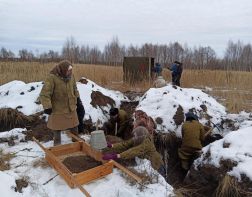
[[81, 113], [158, 69], [177, 69], [119, 124], [141, 145]]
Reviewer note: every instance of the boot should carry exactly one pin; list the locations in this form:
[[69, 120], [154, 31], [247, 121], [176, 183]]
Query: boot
[[56, 138]]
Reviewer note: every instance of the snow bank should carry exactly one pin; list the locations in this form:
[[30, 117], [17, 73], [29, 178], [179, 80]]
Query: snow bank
[[86, 90], [235, 146], [22, 166], [17, 94], [163, 103]]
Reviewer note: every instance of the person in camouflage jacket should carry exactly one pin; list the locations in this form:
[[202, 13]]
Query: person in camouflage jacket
[[193, 135], [141, 145], [119, 124]]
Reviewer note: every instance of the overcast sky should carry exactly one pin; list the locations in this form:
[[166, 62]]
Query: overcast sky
[[45, 24]]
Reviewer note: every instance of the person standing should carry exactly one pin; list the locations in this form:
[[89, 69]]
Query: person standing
[[59, 99], [177, 69]]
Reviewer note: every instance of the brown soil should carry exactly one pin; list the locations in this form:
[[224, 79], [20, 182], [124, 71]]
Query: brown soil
[[83, 80], [179, 116], [99, 99], [20, 184], [39, 130], [80, 163]]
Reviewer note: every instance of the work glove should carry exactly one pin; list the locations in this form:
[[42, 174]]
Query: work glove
[[109, 156], [48, 111], [109, 145]]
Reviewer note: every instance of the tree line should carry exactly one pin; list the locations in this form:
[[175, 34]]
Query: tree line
[[237, 55]]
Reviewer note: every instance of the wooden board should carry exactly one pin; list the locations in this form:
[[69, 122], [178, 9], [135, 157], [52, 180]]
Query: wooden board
[[94, 173]]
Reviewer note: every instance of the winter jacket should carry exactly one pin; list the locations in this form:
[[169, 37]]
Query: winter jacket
[[61, 97], [192, 135], [145, 150]]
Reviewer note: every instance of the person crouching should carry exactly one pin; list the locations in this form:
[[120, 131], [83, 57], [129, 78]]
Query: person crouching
[[140, 145]]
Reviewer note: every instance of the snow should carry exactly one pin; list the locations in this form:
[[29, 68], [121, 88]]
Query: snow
[[156, 102], [18, 93], [86, 90], [235, 146], [29, 152], [163, 103]]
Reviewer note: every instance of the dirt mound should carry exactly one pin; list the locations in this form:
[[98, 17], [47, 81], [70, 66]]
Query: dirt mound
[[83, 80], [80, 163], [179, 116], [39, 130], [20, 184], [99, 99], [12, 118], [210, 180], [129, 107]]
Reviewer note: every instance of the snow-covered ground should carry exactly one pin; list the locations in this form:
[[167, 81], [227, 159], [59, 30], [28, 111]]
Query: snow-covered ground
[[26, 153], [157, 102], [163, 103], [235, 146], [17, 94]]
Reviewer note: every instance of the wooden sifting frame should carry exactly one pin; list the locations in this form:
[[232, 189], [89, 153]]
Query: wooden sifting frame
[[54, 156]]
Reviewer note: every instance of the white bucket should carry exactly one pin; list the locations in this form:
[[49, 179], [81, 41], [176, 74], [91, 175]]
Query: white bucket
[[98, 140]]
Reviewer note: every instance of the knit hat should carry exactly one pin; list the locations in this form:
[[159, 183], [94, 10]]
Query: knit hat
[[139, 135]]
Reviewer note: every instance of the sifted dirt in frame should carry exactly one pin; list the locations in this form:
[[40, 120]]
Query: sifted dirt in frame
[[80, 163]]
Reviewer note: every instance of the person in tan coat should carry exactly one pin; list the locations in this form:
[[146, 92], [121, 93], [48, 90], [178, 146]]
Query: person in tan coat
[[59, 98], [193, 135], [141, 145]]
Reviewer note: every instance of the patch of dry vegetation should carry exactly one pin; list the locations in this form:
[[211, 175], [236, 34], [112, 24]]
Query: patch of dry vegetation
[[235, 87], [5, 160]]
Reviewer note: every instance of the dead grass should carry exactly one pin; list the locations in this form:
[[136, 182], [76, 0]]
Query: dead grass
[[41, 162], [11, 118], [5, 160], [233, 88], [228, 187]]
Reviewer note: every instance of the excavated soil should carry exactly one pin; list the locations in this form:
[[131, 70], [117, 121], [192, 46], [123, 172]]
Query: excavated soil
[[179, 116], [39, 130], [80, 163], [99, 99]]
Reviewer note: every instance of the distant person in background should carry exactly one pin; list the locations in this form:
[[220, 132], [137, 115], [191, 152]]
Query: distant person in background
[[158, 69], [177, 69], [59, 97], [119, 124]]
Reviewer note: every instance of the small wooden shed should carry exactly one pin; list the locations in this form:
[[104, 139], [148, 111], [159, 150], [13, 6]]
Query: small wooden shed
[[137, 69]]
